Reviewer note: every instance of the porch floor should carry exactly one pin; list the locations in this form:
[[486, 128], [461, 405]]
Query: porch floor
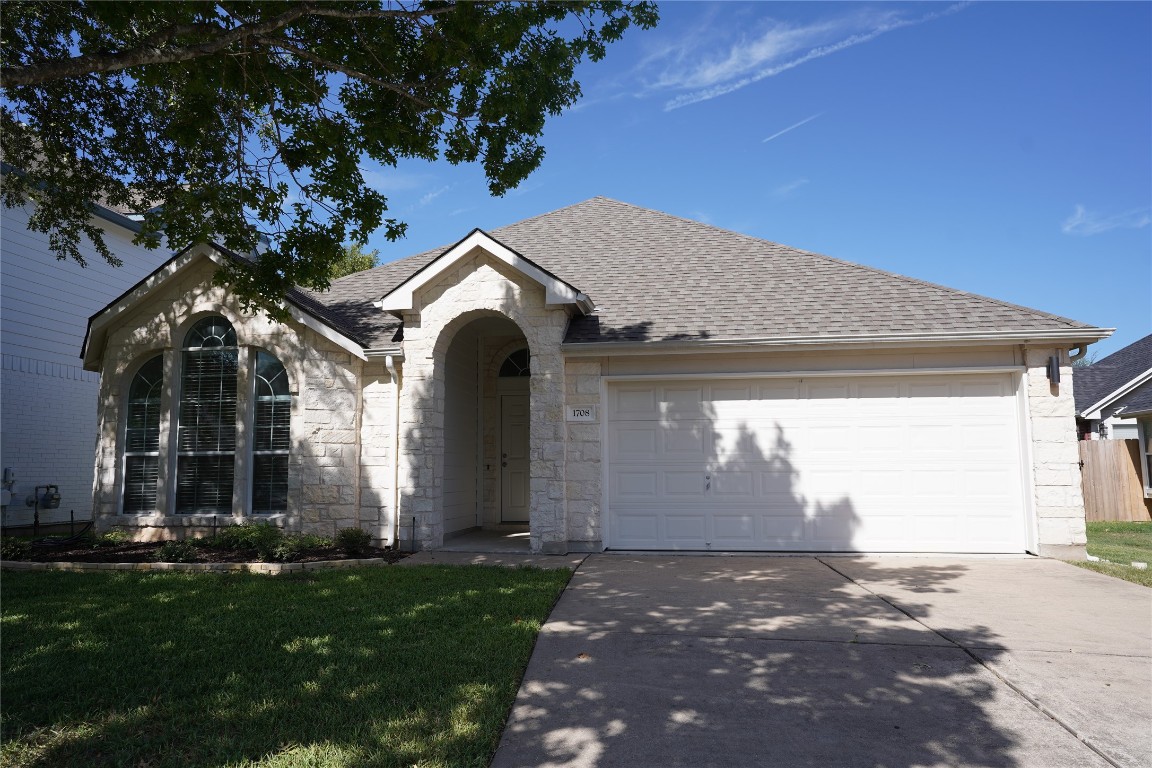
[[506, 540]]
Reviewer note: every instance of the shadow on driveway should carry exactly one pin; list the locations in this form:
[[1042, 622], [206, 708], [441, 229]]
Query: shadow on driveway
[[762, 661]]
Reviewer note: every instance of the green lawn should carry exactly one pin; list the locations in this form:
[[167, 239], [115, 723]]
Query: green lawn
[[377, 666], [1121, 544]]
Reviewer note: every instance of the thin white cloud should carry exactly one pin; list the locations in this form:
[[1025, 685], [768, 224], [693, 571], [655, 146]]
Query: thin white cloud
[[388, 180], [786, 190], [1084, 222], [792, 127], [776, 49], [430, 196]]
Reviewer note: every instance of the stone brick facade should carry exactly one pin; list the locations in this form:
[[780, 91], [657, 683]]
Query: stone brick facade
[[583, 486], [476, 288], [1058, 499], [324, 482], [369, 450]]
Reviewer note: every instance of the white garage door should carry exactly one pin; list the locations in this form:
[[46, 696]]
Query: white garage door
[[880, 464]]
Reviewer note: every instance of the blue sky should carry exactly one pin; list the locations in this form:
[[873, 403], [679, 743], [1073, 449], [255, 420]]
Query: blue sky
[[998, 148]]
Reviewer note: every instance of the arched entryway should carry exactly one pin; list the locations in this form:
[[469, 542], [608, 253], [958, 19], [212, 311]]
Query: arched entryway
[[486, 481]]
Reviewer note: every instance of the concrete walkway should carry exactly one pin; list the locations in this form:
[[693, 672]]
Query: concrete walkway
[[898, 662]]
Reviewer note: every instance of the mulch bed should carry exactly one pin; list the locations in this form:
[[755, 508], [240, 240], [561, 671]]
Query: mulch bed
[[135, 552]]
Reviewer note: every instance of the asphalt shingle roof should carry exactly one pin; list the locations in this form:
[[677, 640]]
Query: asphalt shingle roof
[[1097, 381], [656, 277]]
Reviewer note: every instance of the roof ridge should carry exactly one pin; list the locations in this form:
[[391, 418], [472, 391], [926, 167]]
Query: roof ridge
[[442, 248], [545, 214]]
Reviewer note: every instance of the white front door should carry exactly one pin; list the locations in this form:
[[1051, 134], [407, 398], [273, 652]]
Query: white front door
[[926, 463], [514, 466]]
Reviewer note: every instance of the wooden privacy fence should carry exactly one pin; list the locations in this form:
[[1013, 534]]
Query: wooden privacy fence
[[1113, 488]]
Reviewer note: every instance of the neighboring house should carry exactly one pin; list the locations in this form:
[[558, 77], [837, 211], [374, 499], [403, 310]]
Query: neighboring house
[[1139, 407], [1105, 389], [48, 419], [607, 376]]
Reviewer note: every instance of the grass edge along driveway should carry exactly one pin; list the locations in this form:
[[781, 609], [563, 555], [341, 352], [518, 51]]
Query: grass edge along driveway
[[1121, 543], [381, 667]]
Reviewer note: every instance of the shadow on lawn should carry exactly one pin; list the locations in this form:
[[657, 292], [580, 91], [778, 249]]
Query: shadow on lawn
[[372, 667], [784, 663]]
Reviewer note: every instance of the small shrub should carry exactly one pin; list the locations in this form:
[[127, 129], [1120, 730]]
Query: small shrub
[[354, 541], [12, 548], [293, 545], [176, 552], [262, 537], [113, 538]]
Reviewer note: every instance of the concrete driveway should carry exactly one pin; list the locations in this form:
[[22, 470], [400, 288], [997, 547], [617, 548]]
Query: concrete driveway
[[801, 661]]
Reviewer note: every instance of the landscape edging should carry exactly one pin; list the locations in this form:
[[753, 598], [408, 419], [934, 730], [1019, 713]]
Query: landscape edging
[[269, 569]]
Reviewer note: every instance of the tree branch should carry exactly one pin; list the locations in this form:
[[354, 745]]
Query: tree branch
[[152, 50], [307, 55]]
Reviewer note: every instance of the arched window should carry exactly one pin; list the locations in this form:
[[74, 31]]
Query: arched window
[[142, 437], [516, 364], [210, 413], [206, 425], [271, 435]]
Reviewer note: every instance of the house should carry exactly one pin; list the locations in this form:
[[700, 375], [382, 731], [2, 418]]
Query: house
[[1104, 389], [1139, 408], [48, 407], [604, 376]]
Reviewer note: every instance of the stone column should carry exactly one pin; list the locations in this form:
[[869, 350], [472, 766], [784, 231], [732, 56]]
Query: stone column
[[1058, 498]]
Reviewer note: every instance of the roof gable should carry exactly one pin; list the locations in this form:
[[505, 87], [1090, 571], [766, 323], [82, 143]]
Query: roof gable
[[299, 305], [557, 291]]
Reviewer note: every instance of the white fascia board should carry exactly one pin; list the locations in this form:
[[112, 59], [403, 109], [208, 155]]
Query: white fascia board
[[326, 331], [1093, 411], [960, 338], [557, 291]]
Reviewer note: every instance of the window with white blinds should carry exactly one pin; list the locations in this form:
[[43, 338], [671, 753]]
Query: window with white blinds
[[206, 423], [271, 429], [142, 437], [209, 414]]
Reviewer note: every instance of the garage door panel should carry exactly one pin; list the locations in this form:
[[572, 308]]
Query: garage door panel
[[638, 529], [778, 389], [819, 390], [691, 438], [734, 484], [632, 442], [684, 483], [686, 528], [983, 388], [914, 463], [641, 484], [784, 531], [737, 530]]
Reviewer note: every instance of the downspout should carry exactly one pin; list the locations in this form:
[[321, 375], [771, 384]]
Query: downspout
[[390, 364], [1079, 353]]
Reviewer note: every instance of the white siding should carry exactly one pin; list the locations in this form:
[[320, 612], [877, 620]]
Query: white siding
[[48, 419]]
